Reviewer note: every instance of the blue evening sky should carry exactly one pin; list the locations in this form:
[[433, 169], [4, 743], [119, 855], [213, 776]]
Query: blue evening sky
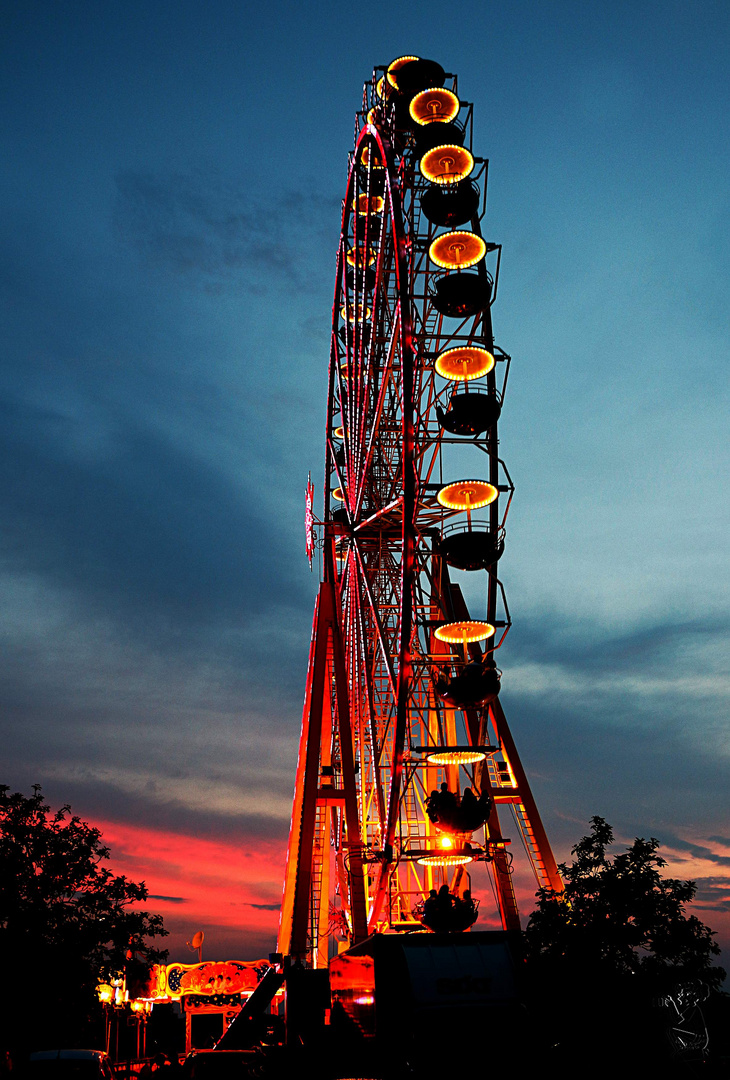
[[170, 182]]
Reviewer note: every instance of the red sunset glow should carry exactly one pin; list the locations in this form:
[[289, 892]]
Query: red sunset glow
[[231, 889]]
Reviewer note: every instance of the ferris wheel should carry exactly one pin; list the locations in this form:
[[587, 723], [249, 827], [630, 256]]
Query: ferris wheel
[[407, 766]]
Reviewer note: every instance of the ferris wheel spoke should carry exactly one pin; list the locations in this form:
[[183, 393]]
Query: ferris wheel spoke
[[375, 752], [375, 615], [385, 383]]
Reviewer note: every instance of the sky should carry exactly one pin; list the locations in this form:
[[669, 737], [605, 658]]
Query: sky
[[171, 181]]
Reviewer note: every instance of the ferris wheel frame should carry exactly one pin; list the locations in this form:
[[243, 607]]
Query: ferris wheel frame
[[386, 587]]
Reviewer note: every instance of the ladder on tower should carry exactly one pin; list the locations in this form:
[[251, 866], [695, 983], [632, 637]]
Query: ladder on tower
[[531, 845]]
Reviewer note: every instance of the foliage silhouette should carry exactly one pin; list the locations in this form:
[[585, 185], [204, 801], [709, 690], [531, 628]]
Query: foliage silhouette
[[621, 915], [65, 918], [608, 954]]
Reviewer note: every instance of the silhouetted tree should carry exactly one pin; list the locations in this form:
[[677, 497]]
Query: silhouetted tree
[[606, 952], [65, 918]]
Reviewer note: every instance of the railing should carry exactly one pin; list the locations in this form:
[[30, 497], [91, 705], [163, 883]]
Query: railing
[[477, 525]]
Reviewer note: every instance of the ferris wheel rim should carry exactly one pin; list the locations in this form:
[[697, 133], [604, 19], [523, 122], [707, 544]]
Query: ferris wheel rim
[[400, 674]]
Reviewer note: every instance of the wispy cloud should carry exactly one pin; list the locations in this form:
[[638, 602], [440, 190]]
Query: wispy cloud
[[200, 226]]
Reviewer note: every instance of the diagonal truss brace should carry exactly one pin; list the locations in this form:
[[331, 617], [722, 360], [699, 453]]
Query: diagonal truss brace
[[326, 670]]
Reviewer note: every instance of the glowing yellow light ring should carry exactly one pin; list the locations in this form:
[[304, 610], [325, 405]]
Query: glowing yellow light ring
[[460, 633], [420, 103], [444, 860], [365, 158], [358, 260], [464, 363], [399, 63], [447, 164], [355, 317], [457, 250], [383, 89], [456, 757], [372, 204], [467, 495], [339, 433], [338, 494]]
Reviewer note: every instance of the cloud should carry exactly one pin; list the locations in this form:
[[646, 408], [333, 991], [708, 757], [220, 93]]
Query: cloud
[[622, 678], [201, 227], [144, 523], [699, 852], [251, 797]]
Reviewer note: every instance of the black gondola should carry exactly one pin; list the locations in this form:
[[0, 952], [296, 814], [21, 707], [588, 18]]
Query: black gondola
[[450, 204], [460, 295]]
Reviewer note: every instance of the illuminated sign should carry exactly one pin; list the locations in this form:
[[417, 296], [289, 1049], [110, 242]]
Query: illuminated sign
[[211, 978], [212, 982], [309, 520]]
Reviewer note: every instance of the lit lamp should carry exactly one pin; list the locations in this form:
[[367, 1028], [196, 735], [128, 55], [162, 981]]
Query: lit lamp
[[383, 89], [368, 204], [457, 250], [442, 859], [105, 993], [447, 164], [363, 312], [464, 633], [464, 363], [339, 494], [360, 255], [434, 105], [339, 433], [399, 63], [376, 159], [455, 757], [467, 495]]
